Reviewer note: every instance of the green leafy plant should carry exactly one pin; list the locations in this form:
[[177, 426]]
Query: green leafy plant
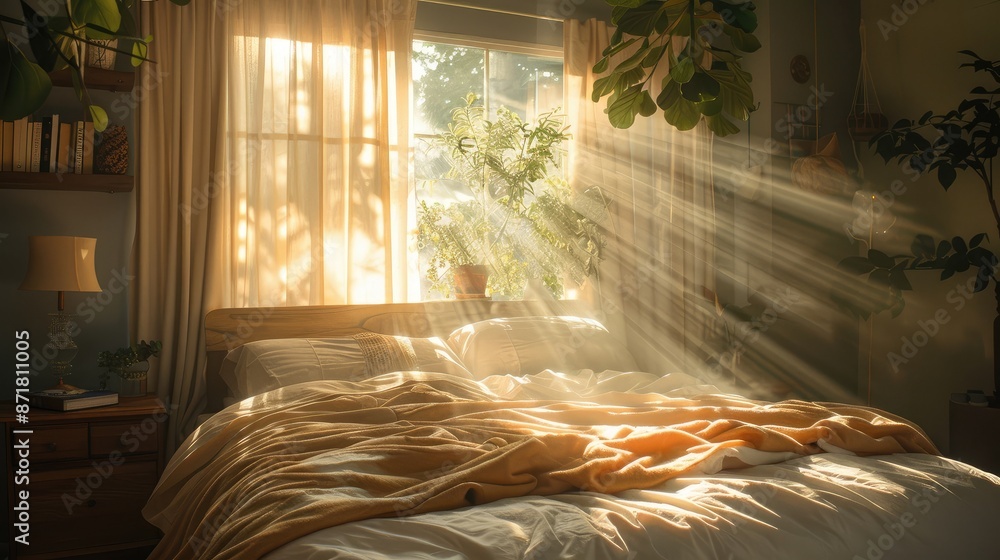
[[514, 214], [886, 274], [966, 138], [57, 38], [701, 40], [126, 357]]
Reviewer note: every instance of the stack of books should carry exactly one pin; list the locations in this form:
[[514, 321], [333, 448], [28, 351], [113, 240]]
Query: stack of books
[[47, 145], [71, 400]]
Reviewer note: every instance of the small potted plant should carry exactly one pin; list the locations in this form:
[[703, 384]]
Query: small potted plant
[[131, 364], [514, 220]]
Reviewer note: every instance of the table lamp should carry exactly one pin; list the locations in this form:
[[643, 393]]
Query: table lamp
[[61, 264]]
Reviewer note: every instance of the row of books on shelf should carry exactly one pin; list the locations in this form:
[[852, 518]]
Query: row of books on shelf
[[47, 145]]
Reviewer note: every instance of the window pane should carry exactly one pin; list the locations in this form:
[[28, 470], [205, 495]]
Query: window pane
[[430, 164], [526, 84], [442, 76]]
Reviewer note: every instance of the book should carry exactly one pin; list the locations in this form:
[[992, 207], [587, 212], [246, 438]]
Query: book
[[7, 156], [46, 147], [21, 142], [54, 144], [36, 147], [64, 154], [88, 147], [78, 134], [62, 401]]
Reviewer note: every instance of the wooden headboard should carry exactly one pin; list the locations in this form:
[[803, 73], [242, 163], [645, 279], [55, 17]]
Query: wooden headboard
[[227, 329]]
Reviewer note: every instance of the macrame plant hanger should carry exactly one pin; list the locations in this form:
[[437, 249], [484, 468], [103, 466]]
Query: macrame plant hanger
[[864, 121], [866, 118]]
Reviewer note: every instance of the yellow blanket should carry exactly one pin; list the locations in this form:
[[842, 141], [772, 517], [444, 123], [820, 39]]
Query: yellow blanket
[[262, 477]]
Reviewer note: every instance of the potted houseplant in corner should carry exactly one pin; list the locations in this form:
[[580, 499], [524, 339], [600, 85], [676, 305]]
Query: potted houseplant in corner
[[514, 219], [964, 139], [131, 365]]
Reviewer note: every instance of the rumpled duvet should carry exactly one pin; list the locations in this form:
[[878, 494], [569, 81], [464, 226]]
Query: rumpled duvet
[[314, 456]]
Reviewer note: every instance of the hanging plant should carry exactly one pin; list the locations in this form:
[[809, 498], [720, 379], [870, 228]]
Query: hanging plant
[[702, 43], [58, 37]]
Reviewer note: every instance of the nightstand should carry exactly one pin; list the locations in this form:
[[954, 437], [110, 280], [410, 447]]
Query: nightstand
[[89, 475], [974, 435]]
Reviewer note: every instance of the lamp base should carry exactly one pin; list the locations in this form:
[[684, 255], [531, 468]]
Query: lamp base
[[64, 388]]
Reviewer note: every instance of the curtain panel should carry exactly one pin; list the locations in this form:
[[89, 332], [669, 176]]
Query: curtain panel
[[660, 254], [180, 156], [318, 142], [271, 171]]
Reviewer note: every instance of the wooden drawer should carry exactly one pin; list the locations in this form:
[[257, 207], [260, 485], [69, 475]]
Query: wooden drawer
[[139, 436], [58, 443], [87, 507]]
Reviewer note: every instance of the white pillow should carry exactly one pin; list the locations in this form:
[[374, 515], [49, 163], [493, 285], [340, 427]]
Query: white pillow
[[527, 345], [264, 365]]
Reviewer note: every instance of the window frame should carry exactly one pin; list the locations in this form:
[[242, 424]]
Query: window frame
[[487, 45], [556, 53]]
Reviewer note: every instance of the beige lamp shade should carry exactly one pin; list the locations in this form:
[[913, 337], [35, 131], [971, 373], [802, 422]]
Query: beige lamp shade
[[61, 264]]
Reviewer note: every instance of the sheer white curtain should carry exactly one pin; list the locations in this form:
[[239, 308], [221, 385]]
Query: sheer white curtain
[[272, 169], [660, 253], [317, 136]]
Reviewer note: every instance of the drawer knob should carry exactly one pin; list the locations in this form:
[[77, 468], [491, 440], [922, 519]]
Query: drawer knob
[[91, 503]]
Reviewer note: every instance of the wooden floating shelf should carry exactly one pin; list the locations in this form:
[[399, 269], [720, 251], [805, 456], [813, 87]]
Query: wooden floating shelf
[[66, 182], [96, 78]]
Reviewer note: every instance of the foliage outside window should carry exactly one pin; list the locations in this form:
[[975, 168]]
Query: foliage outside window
[[511, 84], [519, 218]]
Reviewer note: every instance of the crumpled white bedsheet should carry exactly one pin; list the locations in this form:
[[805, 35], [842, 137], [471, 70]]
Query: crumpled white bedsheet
[[828, 506]]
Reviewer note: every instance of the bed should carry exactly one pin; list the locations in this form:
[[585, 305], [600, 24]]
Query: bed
[[484, 430]]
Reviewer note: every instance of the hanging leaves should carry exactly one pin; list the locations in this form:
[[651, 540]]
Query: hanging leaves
[[700, 43], [57, 41], [23, 85], [962, 139], [886, 274]]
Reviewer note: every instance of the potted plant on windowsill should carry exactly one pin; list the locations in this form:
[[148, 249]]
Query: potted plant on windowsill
[[515, 219], [131, 364]]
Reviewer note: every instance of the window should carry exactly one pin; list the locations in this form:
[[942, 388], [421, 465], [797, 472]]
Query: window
[[527, 80]]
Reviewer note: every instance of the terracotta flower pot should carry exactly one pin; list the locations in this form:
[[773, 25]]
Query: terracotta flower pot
[[470, 281]]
